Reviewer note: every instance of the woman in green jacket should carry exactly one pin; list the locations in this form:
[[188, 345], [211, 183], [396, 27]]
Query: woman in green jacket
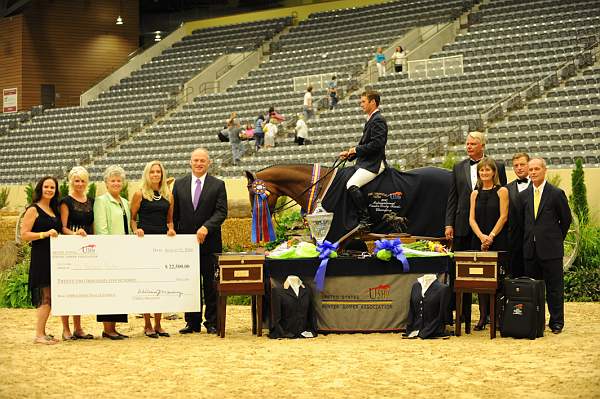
[[112, 216]]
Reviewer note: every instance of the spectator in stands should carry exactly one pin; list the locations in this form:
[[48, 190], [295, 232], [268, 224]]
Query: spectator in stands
[[515, 230], [399, 58], [464, 179], [112, 217], [332, 89], [380, 61], [308, 104], [234, 129], [487, 216], [40, 222], [77, 217], [248, 133], [369, 154], [546, 219], [153, 206], [274, 116], [301, 130], [270, 130], [259, 134]]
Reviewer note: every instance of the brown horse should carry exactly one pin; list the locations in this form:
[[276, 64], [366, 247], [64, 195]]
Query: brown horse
[[418, 196]]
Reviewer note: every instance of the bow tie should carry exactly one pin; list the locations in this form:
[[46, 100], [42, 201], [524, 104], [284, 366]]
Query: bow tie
[[522, 181], [471, 162]]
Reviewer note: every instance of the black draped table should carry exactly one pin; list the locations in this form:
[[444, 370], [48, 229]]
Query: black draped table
[[360, 295]]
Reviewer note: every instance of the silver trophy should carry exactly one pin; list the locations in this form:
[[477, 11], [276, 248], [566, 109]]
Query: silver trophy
[[319, 222]]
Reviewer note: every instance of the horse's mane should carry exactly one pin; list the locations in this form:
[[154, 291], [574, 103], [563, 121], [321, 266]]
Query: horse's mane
[[285, 165]]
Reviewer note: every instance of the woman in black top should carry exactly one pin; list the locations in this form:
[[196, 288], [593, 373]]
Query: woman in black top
[[40, 222], [77, 216], [152, 213], [488, 214]]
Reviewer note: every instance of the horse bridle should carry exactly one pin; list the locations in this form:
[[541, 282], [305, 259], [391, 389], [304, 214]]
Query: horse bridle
[[291, 202]]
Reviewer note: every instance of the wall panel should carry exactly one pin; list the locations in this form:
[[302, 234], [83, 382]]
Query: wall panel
[[11, 49]]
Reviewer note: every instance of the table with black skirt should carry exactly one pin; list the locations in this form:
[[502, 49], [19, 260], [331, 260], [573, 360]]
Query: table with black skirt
[[360, 295]]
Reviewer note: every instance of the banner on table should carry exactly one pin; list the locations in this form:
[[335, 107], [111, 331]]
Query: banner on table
[[365, 303], [101, 274], [9, 100]]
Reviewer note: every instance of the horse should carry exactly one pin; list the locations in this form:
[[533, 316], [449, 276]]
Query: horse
[[419, 195]]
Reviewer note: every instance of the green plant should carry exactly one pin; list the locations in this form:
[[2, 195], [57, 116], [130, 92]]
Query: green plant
[[284, 223], [449, 161], [29, 188], [91, 192], [63, 189], [578, 198], [14, 286], [583, 284], [125, 191], [4, 192], [238, 300], [588, 254]]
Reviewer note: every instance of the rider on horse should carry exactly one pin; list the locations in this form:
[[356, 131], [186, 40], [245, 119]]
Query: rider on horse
[[369, 154]]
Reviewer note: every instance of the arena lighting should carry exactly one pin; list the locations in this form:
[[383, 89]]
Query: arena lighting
[[157, 38], [119, 20]]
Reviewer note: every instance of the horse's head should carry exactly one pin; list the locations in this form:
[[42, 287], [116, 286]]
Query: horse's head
[[270, 190]]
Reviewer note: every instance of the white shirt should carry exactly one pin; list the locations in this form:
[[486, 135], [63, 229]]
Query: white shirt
[[301, 129], [523, 186], [193, 184], [308, 99], [473, 176], [540, 188]]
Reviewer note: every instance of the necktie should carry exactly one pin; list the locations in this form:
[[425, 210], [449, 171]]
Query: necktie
[[536, 201], [197, 192]]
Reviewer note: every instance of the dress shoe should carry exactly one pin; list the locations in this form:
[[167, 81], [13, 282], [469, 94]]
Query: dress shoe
[[84, 336], [211, 330], [480, 326], [188, 330], [122, 335], [163, 334], [113, 337], [556, 330]]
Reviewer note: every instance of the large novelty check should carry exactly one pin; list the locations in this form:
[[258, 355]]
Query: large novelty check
[[101, 274]]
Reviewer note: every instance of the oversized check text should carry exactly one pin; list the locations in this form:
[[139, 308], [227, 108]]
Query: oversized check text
[[101, 274]]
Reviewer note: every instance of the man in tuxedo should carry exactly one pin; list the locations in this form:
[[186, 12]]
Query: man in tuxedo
[[458, 230], [546, 219], [515, 233], [200, 207], [369, 154]]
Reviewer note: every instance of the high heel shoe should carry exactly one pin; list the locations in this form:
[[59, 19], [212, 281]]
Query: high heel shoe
[[480, 326], [113, 337]]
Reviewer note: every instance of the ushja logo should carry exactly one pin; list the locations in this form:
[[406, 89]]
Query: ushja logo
[[382, 291], [88, 249]]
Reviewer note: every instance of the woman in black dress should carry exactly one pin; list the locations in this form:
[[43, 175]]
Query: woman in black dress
[[488, 215], [152, 213], [77, 216], [40, 222]]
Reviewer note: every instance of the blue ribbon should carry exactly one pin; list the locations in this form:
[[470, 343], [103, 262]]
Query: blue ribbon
[[262, 226], [395, 247], [325, 249]]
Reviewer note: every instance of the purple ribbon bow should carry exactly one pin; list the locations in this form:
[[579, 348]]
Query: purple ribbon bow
[[395, 247], [325, 249]]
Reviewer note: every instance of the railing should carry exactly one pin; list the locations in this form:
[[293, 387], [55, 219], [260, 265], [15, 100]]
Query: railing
[[564, 71], [436, 146], [436, 67]]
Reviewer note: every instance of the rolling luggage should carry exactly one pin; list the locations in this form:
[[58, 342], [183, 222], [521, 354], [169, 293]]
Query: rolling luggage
[[524, 311]]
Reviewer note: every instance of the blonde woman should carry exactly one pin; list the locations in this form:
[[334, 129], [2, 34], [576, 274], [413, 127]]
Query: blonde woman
[[40, 222], [152, 213], [112, 217], [77, 216]]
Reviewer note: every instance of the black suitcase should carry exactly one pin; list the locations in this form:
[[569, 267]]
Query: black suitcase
[[524, 310]]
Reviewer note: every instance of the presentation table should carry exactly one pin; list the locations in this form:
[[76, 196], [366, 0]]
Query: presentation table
[[360, 295]]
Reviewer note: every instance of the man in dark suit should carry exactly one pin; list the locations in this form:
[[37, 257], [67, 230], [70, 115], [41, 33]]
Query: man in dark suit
[[458, 230], [546, 221], [515, 232], [369, 154], [200, 207]]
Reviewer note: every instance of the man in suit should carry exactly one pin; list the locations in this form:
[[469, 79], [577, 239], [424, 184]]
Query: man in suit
[[515, 233], [369, 154], [200, 207], [458, 230], [546, 220]]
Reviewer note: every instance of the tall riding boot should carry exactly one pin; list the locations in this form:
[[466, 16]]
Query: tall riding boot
[[359, 200]]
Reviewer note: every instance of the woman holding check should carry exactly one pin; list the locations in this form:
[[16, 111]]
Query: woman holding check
[[152, 213], [112, 216]]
